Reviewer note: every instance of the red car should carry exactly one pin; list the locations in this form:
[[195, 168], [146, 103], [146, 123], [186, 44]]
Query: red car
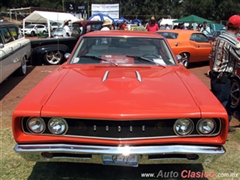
[[120, 99]]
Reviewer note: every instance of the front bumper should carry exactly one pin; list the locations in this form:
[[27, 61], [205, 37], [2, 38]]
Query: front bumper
[[167, 154]]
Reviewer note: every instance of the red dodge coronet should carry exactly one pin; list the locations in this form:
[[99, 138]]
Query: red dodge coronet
[[120, 99]]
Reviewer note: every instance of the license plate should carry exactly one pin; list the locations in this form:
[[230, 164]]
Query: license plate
[[130, 160]]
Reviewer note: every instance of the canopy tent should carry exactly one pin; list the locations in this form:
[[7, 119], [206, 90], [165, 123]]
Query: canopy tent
[[48, 17], [193, 19], [120, 20], [100, 17], [137, 21]]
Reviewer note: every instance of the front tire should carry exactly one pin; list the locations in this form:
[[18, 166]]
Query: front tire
[[33, 33], [185, 59], [53, 57], [235, 94], [22, 70]]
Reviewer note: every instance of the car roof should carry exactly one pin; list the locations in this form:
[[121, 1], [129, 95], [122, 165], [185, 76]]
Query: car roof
[[122, 33], [180, 31], [4, 23]]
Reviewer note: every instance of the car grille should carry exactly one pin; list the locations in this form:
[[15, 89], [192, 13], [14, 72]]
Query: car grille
[[113, 129]]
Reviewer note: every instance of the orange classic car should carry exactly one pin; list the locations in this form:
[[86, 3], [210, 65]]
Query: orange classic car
[[120, 99], [192, 45]]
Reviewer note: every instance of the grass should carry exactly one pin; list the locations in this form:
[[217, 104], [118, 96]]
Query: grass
[[15, 167]]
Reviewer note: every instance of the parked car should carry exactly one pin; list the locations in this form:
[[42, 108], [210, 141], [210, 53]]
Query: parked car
[[51, 51], [192, 45], [235, 88], [59, 32], [14, 50], [127, 102], [34, 29], [215, 34]]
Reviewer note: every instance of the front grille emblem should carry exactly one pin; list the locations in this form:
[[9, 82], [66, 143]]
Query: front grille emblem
[[143, 127], [130, 129], [119, 128], [94, 127], [107, 128]]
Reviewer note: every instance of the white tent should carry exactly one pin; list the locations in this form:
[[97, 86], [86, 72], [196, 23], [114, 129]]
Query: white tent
[[47, 17]]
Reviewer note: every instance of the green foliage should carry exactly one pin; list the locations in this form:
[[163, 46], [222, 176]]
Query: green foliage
[[143, 9]]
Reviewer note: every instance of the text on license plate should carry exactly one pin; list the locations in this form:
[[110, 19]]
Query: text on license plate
[[130, 160]]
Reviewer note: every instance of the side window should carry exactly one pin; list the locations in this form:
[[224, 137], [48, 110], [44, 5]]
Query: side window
[[193, 37], [201, 38], [14, 31], [1, 40], [96, 27], [6, 35]]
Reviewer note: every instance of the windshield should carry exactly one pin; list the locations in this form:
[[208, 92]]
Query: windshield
[[30, 26], [169, 35], [123, 50]]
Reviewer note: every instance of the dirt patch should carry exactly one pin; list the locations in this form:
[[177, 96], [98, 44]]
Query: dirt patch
[[16, 87]]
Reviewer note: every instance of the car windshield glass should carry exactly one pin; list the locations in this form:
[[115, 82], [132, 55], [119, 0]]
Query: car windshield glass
[[123, 50], [59, 29], [30, 26], [169, 35]]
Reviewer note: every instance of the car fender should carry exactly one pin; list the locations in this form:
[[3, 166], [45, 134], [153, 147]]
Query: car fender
[[39, 52]]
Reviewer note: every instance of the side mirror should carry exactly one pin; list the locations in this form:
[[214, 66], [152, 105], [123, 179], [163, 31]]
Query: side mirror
[[67, 55], [179, 58]]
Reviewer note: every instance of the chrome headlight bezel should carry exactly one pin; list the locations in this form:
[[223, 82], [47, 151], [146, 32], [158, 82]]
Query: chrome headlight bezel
[[201, 121], [40, 120], [183, 120], [59, 121]]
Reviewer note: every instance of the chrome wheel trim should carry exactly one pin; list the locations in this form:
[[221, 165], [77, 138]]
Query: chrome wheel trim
[[235, 94], [24, 65], [185, 59], [53, 57]]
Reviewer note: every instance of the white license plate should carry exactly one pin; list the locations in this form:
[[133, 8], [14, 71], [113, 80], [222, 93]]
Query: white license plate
[[130, 160]]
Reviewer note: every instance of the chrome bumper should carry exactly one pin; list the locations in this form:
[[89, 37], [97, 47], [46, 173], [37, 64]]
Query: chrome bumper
[[167, 154]]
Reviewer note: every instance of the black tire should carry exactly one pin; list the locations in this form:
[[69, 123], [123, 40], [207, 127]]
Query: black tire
[[235, 94], [185, 59], [53, 57], [22, 70], [33, 33]]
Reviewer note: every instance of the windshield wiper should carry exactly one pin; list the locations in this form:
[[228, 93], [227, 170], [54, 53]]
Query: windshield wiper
[[145, 59], [99, 58]]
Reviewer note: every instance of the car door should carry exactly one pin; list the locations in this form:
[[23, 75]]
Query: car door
[[9, 56], [201, 47]]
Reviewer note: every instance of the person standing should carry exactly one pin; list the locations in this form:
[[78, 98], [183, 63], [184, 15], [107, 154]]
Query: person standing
[[205, 29], [66, 29], [225, 55], [124, 25], [142, 26], [153, 25], [167, 27], [106, 26]]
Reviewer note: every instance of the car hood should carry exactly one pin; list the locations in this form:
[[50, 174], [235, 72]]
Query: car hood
[[127, 93]]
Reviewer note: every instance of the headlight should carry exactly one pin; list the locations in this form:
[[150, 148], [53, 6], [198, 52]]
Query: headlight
[[206, 126], [57, 125], [183, 127], [36, 125]]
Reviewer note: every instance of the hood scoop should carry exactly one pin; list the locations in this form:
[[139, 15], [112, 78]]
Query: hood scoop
[[122, 80]]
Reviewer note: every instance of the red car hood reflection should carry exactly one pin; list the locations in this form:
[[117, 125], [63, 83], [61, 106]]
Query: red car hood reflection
[[122, 92]]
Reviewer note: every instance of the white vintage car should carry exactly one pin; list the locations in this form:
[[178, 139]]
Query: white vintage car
[[14, 50]]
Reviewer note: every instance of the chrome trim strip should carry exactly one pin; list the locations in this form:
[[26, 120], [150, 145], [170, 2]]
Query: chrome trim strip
[[34, 152], [138, 76], [105, 76]]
